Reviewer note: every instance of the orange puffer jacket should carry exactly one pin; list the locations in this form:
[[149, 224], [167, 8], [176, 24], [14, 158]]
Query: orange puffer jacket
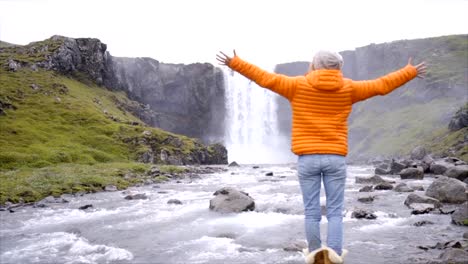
[[321, 102]]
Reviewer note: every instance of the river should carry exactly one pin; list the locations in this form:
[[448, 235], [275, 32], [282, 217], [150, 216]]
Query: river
[[116, 230]]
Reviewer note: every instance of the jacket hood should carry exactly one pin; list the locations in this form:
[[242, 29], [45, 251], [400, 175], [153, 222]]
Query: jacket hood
[[327, 80]]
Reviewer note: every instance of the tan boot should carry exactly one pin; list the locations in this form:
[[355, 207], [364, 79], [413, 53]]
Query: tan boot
[[324, 255]]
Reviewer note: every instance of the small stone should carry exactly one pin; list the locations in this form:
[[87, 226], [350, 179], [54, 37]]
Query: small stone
[[383, 186], [110, 188], [233, 164], [269, 174], [417, 187], [138, 196], [369, 199], [465, 235], [424, 222], [84, 207], [367, 188], [362, 214], [174, 201], [402, 187], [421, 208]]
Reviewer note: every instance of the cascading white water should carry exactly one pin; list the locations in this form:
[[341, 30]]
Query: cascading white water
[[252, 132]]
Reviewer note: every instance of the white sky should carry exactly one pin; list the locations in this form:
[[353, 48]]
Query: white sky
[[265, 32]]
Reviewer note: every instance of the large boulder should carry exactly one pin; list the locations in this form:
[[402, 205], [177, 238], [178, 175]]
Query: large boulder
[[454, 256], [230, 200], [412, 173], [376, 179], [396, 167], [418, 153], [457, 172], [447, 190], [460, 216], [440, 166], [414, 198], [381, 171], [403, 187]]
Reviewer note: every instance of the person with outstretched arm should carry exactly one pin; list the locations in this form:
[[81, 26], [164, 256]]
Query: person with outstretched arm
[[321, 102]]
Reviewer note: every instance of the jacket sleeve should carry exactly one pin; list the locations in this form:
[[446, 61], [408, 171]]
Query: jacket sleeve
[[362, 90], [278, 83]]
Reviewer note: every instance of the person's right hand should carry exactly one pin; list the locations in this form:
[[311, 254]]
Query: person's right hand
[[224, 59], [421, 68]]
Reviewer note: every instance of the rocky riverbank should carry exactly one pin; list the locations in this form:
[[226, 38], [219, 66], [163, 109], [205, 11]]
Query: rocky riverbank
[[447, 194], [115, 177]]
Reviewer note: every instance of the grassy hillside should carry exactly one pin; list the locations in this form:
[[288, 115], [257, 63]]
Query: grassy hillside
[[60, 135], [65, 121], [419, 112]]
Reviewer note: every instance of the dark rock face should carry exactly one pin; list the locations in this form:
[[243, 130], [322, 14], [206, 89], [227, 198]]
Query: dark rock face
[[186, 99], [158, 152], [460, 119], [81, 55]]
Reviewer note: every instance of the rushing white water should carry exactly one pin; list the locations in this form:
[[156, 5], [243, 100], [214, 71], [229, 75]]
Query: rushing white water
[[252, 132], [116, 230]]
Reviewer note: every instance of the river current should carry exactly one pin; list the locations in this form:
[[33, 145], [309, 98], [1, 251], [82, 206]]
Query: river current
[[116, 230]]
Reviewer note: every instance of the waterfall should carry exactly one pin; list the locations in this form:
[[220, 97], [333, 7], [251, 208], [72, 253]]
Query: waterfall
[[252, 133]]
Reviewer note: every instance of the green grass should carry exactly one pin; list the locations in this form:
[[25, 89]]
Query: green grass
[[63, 134], [51, 146], [66, 121], [419, 112], [33, 184], [31, 53], [397, 132], [447, 143]]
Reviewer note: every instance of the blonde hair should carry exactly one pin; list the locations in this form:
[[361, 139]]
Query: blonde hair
[[327, 60]]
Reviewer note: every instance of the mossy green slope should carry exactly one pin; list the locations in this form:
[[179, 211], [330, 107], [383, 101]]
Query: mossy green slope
[[62, 120], [419, 112], [62, 134]]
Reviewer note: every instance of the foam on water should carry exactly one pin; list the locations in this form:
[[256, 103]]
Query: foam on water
[[371, 244], [62, 247], [57, 216], [384, 222], [254, 220], [213, 248]]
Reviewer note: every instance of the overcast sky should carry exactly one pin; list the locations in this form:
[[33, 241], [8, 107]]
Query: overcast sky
[[262, 31]]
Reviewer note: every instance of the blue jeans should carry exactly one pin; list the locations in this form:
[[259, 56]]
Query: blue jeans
[[311, 170]]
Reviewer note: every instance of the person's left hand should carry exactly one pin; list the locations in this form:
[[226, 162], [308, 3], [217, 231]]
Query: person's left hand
[[224, 59], [421, 68]]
